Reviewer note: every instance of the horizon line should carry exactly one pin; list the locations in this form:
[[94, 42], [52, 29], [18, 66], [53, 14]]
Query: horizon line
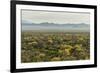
[[53, 23]]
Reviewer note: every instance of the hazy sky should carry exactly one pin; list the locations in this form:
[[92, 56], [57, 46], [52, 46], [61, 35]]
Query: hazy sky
[[55, 17]]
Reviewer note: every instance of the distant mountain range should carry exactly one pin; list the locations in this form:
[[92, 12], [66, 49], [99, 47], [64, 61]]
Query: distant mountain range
[[45, 26]]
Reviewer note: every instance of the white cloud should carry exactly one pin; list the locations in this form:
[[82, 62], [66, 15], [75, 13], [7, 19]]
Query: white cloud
[[55, 17]]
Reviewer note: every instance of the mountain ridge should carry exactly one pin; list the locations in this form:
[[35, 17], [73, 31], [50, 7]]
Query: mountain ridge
[[55, 26]]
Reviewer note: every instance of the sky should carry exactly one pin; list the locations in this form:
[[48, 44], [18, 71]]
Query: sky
[[55, 17]]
